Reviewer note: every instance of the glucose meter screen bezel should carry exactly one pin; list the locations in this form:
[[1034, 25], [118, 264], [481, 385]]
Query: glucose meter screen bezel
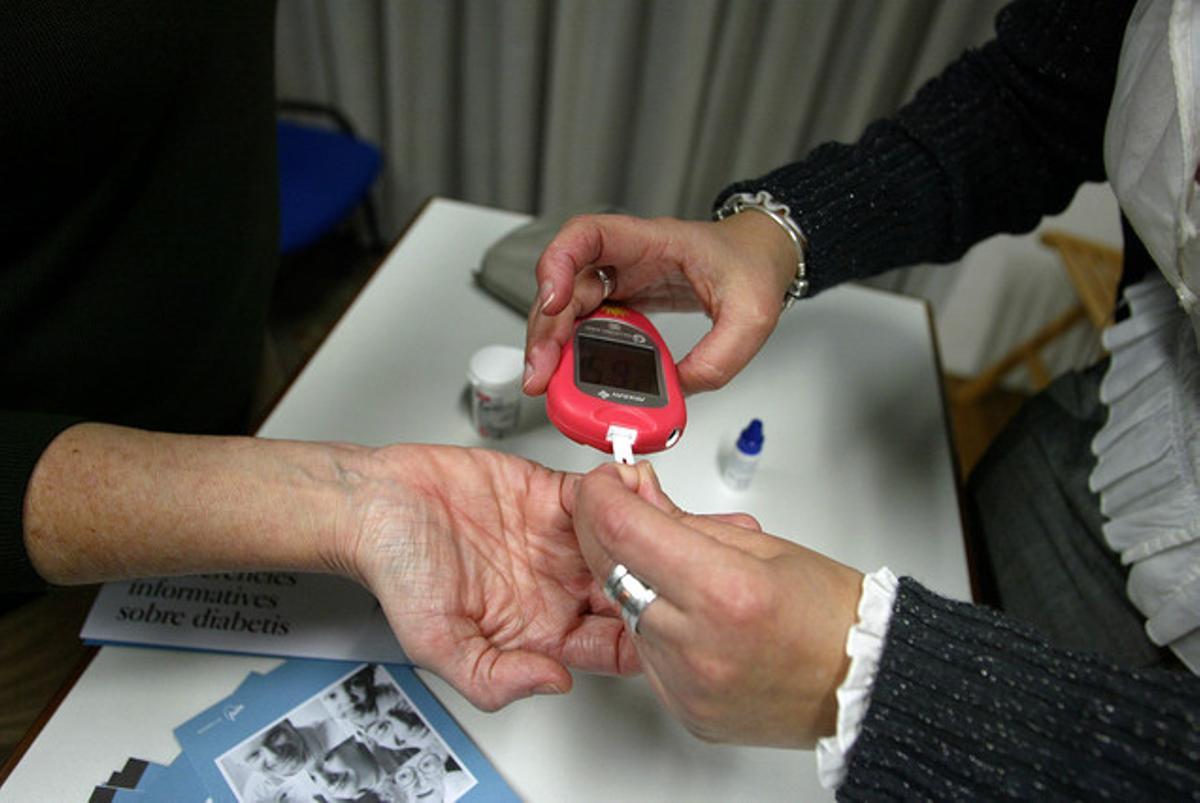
[[643, 386], [605, 363]]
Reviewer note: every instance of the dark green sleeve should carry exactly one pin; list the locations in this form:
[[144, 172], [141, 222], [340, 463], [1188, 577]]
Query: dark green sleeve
[[968, 705], [23, 438]]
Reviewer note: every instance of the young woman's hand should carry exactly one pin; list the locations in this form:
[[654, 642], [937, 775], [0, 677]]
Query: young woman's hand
[[735, 271], [746, 640]]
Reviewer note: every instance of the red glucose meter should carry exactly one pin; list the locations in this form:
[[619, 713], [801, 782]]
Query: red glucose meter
[[616, 387]]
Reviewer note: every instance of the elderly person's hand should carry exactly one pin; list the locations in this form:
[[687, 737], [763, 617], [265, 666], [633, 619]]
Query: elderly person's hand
[[735, 271], [471, 554], [474, 559], [746, 640]]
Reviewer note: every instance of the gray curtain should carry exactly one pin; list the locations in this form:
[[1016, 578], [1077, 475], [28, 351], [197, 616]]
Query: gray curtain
[[655, 105], [650, 105]]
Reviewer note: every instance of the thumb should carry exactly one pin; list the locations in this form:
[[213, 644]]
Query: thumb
[[738, 332], [630, 477], [513, 675], [650, 489], [742, 520]]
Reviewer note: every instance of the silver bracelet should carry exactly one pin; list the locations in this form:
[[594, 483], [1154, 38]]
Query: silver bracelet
[[764, 203]]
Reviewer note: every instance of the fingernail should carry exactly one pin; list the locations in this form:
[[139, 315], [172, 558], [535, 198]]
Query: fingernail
[[547, 688], [528, 375], [629, 475], [546, 294]]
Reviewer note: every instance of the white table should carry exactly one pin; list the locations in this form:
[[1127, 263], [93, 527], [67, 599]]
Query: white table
[[856, 465]]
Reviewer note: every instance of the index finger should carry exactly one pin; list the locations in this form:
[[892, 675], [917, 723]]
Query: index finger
[[589, 241], [740, 328], [584, 242], [546, 335]]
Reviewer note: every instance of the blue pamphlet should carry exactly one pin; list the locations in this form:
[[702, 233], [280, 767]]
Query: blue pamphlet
[[334, 731]]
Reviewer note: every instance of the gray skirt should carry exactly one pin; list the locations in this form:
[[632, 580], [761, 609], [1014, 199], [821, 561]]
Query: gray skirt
[[1044, 558]]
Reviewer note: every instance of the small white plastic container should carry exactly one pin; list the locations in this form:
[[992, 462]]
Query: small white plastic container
[[495, 374]]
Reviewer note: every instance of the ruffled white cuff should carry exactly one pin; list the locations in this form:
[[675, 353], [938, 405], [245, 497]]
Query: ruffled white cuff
[[864, 645]]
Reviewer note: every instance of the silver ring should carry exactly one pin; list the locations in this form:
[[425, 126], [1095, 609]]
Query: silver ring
[[606, 281], [631, 594]]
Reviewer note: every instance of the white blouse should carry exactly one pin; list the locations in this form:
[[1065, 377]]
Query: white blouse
[[1147, 454]]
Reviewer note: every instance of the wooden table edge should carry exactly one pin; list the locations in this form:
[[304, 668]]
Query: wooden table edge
[[35, 729]]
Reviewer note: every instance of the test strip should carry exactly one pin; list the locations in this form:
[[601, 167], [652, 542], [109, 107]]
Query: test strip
[[622, 440]]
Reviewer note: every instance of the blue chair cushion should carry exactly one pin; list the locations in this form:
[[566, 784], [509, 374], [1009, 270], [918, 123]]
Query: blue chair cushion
[[323, 175]]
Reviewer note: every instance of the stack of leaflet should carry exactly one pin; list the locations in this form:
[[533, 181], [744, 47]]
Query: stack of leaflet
[[317, 731]]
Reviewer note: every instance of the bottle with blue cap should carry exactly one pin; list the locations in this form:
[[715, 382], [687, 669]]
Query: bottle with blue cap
[[743, 459]]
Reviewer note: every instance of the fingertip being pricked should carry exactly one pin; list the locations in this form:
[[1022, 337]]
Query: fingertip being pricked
[[569, 492]]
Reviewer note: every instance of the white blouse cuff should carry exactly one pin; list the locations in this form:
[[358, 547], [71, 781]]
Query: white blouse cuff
[[864, 645]]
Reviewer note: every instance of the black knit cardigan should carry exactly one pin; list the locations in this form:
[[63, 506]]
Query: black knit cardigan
[[968, 704]]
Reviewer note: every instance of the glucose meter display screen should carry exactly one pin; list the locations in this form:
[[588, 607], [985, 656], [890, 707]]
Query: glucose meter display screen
[[614, 365]]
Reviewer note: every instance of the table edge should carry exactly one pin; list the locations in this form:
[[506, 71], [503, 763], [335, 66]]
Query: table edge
[[51, 708]]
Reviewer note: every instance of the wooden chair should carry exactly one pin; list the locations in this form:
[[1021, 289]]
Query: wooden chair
[[1095, 271]]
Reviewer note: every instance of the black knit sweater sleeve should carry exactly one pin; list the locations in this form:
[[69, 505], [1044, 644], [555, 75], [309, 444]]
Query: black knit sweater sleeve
[[968, 704], [1004, 136]]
